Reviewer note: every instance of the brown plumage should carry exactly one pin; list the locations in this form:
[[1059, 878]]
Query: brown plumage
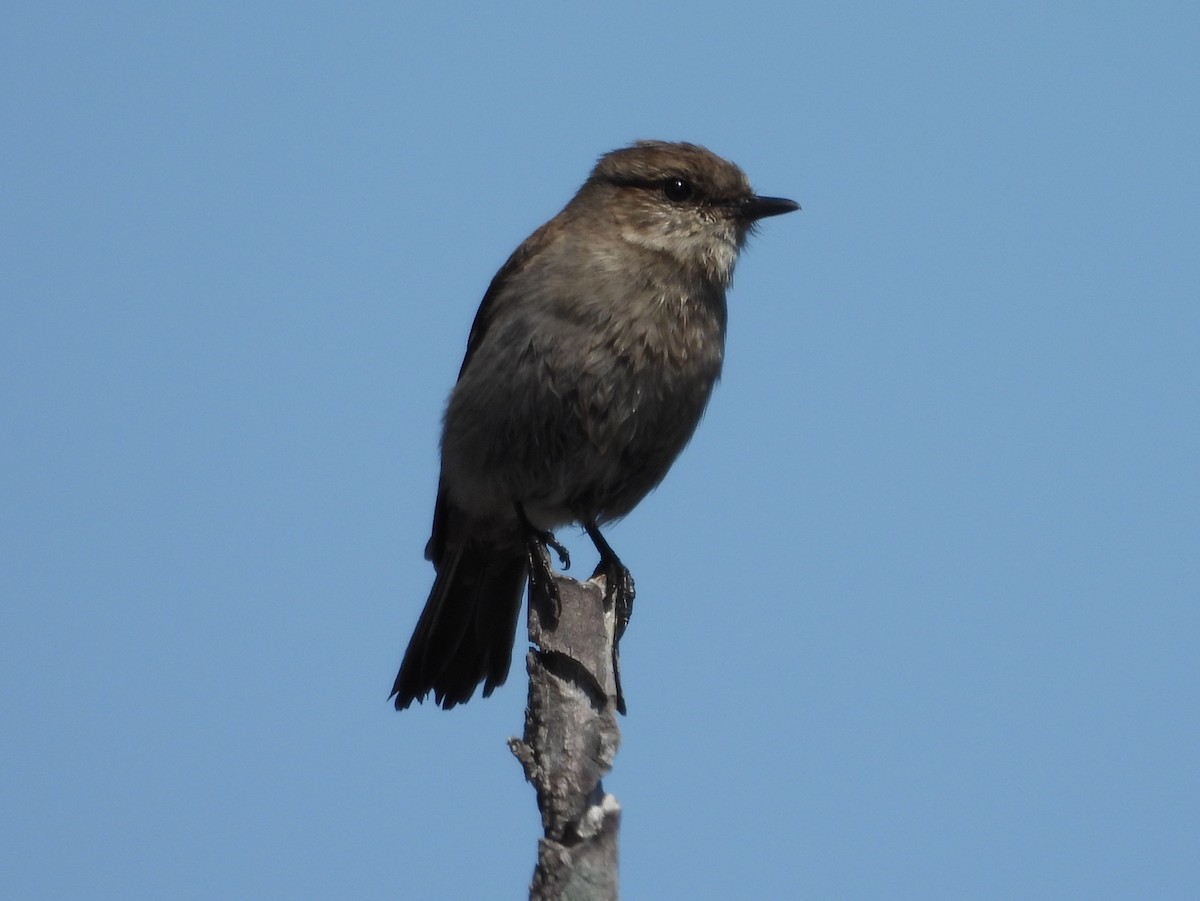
[[589, 364]]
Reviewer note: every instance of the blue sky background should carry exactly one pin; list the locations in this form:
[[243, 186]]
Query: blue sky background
[[917, 610]]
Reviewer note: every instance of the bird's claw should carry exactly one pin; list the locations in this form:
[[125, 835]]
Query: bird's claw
[[541, 577], [547, 539], [619, 593], [543, 537]]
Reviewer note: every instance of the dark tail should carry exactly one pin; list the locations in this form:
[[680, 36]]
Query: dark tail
[[466, 631]]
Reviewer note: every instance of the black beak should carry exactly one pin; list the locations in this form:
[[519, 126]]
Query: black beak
[[755, 208]]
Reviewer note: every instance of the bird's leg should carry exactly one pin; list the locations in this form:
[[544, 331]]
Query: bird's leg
[[619, 592], [543, 537], [541, 578], [618, 581]]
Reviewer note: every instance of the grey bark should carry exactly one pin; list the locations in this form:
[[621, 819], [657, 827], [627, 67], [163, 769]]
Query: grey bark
[[571, 738]]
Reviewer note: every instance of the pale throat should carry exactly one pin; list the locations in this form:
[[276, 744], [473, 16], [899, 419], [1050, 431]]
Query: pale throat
[[710, 252]]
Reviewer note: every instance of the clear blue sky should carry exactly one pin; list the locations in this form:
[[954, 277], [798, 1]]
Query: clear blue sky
[[917, 610]]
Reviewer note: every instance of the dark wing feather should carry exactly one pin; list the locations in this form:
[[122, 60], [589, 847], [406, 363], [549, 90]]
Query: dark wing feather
[[435, 549]]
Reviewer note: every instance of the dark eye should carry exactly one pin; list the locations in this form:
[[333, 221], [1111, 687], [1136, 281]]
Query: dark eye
[[677, 189]]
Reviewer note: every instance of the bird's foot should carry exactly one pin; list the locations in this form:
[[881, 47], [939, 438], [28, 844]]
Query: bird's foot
[[544, 538], [547, 539], [541, 576], [618, 581], [619, 593], [618, 597]]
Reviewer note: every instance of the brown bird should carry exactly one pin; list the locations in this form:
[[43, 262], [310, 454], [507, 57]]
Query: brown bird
[[590, 362]]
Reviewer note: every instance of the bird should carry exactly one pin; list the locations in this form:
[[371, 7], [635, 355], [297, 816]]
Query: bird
[[588, 367]]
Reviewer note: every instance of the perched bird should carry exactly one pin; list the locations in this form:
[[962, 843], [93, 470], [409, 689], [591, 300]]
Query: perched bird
[[588, 367]]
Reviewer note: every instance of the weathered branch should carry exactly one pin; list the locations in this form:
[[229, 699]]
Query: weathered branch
[[571, 738]]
